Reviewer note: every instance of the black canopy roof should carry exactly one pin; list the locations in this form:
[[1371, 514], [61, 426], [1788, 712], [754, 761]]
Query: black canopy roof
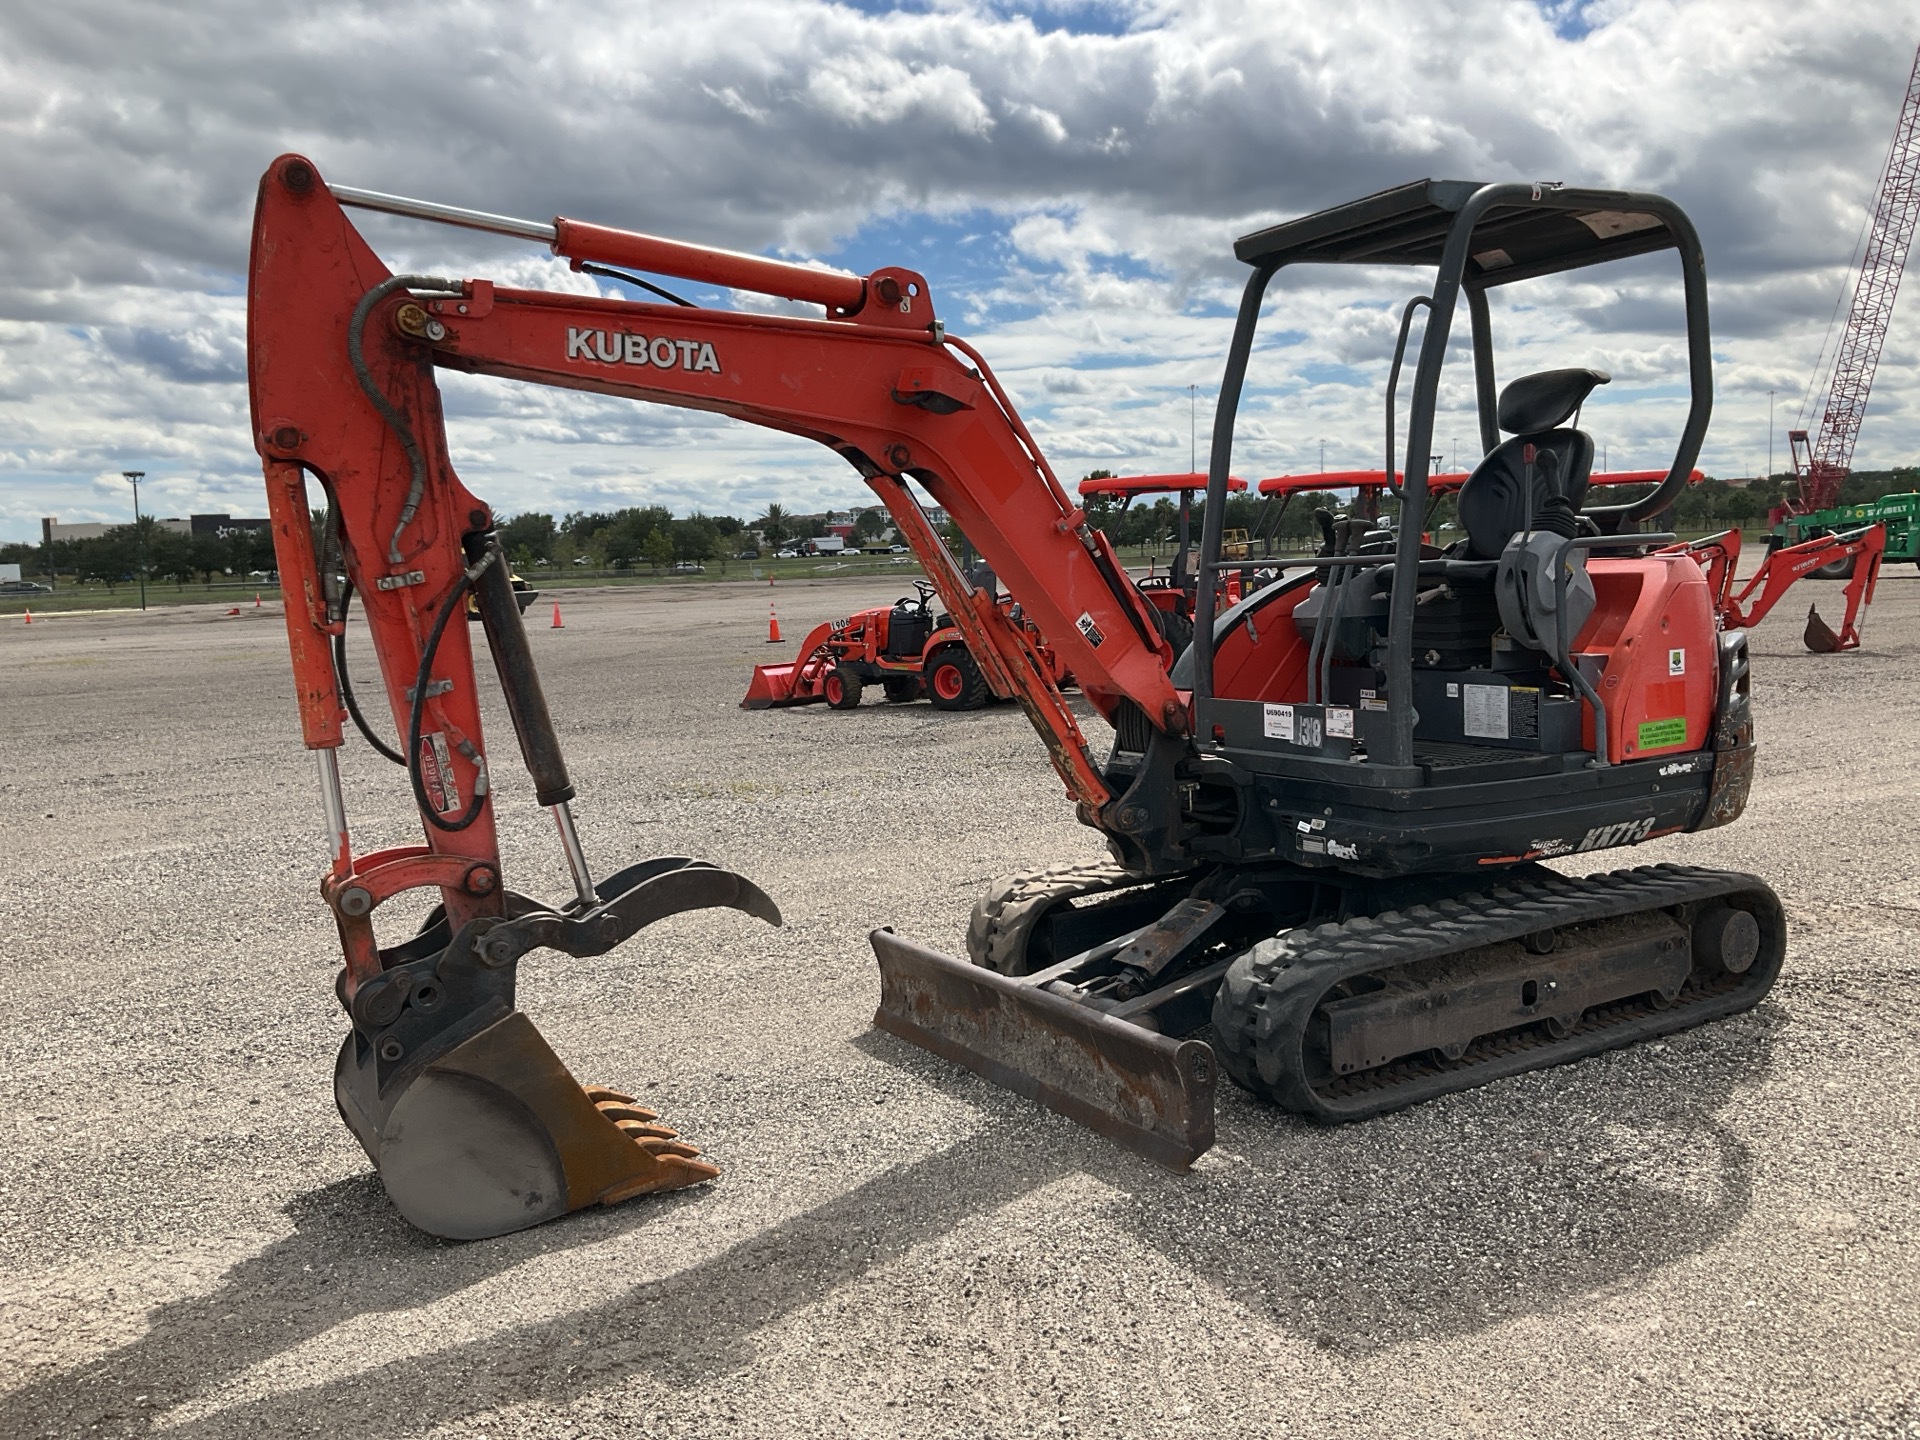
[[1542, 229]]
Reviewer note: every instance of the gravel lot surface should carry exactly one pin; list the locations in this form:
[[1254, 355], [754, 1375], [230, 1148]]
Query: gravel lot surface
[[1714, 1235]]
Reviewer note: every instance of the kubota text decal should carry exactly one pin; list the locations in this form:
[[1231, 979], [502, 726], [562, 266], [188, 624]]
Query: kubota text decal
[[621, 348]]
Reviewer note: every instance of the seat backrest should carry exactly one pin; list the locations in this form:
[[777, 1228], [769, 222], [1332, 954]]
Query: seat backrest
[[1494, 502]]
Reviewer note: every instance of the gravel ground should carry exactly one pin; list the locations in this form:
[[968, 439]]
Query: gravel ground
[[1714, 1235]]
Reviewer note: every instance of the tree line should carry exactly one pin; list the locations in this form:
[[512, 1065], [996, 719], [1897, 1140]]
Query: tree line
[[653, 536], [115, 557]]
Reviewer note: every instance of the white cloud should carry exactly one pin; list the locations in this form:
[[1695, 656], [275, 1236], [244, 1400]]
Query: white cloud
[[1118, 147]]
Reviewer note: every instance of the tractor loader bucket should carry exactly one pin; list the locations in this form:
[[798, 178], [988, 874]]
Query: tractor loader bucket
[[798, 682], [1151, 1093]]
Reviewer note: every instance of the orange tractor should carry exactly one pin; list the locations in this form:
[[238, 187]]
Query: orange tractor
[[906, 648]]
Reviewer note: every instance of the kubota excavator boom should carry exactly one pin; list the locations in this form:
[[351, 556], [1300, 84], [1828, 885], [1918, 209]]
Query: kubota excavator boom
[[1274, 807]]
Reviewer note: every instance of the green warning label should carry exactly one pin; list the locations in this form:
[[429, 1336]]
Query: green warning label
[[1657, 734]]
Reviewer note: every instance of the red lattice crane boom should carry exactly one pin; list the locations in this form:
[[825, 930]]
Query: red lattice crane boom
[[1822, 464]]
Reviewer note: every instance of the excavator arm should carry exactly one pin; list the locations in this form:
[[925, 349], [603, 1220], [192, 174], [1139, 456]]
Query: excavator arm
[[474, 1124], [876, 379]]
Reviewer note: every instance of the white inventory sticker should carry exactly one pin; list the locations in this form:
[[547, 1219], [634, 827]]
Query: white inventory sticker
[[1340, 721], [1485, 716], [1278, 722]]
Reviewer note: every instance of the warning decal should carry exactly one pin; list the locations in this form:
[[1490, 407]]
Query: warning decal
[[1485, 712], [436, 773], [1676, 662]]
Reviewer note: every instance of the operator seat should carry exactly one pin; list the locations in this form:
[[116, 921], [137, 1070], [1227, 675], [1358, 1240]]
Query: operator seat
[[1522, 513], [1533, 410]]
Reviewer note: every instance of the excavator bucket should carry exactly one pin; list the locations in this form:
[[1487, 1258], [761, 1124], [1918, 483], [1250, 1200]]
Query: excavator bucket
[[476, 1127], [1150, 1092], [798, 682], [1819, 636], [496, 1135]]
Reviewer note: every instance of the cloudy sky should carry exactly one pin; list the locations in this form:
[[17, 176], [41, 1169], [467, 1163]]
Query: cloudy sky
[[1069, 175]]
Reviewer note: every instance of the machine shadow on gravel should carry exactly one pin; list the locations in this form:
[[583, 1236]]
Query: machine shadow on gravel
[[1442, 1220], [350, 1254], [1452, 1216]]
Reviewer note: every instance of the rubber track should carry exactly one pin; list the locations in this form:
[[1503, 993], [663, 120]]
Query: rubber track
[[1268, 998], [1004, 917]]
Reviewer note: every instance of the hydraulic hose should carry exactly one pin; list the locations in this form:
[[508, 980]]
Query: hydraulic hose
[[452, 603], [346, 684], [356, 353]]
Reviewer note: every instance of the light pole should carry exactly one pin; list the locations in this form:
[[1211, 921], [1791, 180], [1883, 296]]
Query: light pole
[[133, 478], [1323, 455], [1193, 428], [1769, 436]]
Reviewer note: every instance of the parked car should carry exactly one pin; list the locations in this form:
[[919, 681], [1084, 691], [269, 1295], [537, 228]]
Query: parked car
[[786, 554], [897, 550], [688, 567], [583, 559], [24, 587]]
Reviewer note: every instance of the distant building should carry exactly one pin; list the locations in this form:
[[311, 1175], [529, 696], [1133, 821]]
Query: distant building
[[224, 525], [216, 525], [52, 529]]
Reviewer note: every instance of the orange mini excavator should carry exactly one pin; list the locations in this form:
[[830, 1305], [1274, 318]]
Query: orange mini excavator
[[1325, 822]]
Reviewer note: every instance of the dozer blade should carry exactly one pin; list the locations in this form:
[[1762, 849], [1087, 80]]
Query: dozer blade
[[1819, 636], [1150, 1093], [495, 1135]]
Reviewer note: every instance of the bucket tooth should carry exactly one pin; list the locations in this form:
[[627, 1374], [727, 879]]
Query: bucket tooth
[[494, 1135]]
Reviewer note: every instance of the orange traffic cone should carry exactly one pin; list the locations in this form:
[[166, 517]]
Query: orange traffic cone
[[29, 617], [556, 618], [256, 599], [773, 627], [234, 611]]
